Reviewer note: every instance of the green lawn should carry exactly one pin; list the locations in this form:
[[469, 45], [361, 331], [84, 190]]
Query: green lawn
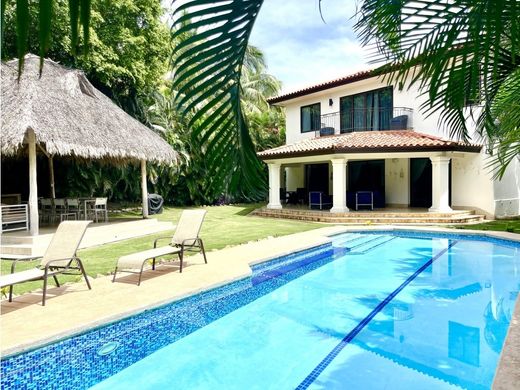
[[223, 226], [511, 226]]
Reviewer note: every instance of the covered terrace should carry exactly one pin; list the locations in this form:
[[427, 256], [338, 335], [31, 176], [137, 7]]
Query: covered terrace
[[394, 171], [61, 115]]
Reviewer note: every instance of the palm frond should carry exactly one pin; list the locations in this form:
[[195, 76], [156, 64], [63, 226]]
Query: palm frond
[[455, 51], [207, 68], [79, 12]]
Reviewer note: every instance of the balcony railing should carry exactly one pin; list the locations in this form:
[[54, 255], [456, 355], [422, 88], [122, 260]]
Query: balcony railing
[[366, 119]]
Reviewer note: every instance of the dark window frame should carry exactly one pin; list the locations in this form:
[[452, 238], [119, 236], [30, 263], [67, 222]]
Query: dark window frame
[[301, 117], [352, 97]]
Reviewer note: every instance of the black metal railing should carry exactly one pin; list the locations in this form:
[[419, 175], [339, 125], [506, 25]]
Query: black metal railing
[[366, 119]]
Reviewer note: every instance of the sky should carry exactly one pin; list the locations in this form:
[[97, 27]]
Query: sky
[[301, 50]]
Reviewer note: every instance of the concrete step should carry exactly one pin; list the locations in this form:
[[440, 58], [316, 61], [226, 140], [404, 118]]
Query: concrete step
[[17, 249], [461, 217], [96, 234], [361, 214]]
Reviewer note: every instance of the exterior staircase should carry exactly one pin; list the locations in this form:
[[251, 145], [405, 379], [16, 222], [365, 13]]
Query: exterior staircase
[[405, 217]]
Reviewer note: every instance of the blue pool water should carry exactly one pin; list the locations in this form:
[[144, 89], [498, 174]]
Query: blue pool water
[[370, 311]]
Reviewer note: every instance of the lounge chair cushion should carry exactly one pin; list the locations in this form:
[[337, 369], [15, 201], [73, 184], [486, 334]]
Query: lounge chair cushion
[[136, 260], [23, 276]]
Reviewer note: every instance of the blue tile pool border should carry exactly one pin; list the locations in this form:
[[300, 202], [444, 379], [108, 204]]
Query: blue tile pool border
[[269, 262]]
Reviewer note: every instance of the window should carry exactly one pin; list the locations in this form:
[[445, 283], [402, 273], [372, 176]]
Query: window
[[310, 118], [366, 111]]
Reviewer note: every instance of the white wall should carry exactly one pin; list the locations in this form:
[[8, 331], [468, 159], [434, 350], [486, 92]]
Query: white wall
[[471, 184], [507, 191], [294, 177], [397, 182]]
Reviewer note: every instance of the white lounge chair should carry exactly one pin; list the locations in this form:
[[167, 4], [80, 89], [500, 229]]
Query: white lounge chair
[[185, 238], [59, 258]]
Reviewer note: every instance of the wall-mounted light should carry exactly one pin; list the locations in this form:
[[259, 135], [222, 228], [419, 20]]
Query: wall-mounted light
[[331, 102]]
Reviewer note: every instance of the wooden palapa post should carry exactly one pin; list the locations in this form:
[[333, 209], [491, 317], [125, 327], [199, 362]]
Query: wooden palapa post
[[33, 185], [144, 188]]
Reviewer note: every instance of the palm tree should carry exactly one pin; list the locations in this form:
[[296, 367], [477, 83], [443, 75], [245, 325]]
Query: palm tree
[[456, 50]]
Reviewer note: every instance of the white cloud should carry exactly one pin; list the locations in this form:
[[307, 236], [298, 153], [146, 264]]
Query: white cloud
[[300, 48]]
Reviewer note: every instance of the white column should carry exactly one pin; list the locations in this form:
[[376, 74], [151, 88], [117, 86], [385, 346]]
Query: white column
[[33, 185], [440, 184], [339, 185], [144, 188], [274, 186]]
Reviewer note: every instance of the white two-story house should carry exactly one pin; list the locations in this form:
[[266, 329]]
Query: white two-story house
[[360, 135]]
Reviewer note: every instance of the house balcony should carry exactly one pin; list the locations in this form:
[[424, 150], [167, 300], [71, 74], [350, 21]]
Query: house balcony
[[365, 119]]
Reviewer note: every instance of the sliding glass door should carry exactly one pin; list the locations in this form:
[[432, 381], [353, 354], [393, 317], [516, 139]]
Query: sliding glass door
[[366, 111]]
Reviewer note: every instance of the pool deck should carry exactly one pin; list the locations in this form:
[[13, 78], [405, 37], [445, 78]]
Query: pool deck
[[72, 308]]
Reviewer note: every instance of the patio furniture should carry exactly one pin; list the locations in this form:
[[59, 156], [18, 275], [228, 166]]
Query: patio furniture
[[292, 197], [379, 199], [399, 122], [46, 209], [73, 207], [319, 199], [301, 195], [14, 217], [100, 207], [283, 196], [324, 131], [365, 198], [185, 238], [60, 208], [59, 258]]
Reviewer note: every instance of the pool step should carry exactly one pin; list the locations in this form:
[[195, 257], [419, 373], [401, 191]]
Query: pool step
[[369, 246]]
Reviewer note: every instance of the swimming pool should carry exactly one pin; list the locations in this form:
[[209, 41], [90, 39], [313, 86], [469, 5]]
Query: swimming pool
[[370, 310]]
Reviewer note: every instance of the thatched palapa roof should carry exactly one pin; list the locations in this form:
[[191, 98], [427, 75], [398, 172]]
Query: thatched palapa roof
[[70, 117]]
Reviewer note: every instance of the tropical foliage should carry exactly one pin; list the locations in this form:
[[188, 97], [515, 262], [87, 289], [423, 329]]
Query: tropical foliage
[[459, 52], [207, 79], [128, 45], [467, 50], [194, 182]]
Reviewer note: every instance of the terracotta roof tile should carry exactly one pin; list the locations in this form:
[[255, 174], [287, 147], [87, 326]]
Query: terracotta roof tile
[[369, 142], [326, 85]]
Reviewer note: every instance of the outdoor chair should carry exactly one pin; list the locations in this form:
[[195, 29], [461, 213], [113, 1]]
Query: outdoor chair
[[59, 258], [365, 198], [100, 207], [73, 207], [320, 200], [301, 195], [185, 238], [46, 209], [60, 207]]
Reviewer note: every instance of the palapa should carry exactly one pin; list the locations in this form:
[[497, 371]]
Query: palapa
[[70, 117]]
